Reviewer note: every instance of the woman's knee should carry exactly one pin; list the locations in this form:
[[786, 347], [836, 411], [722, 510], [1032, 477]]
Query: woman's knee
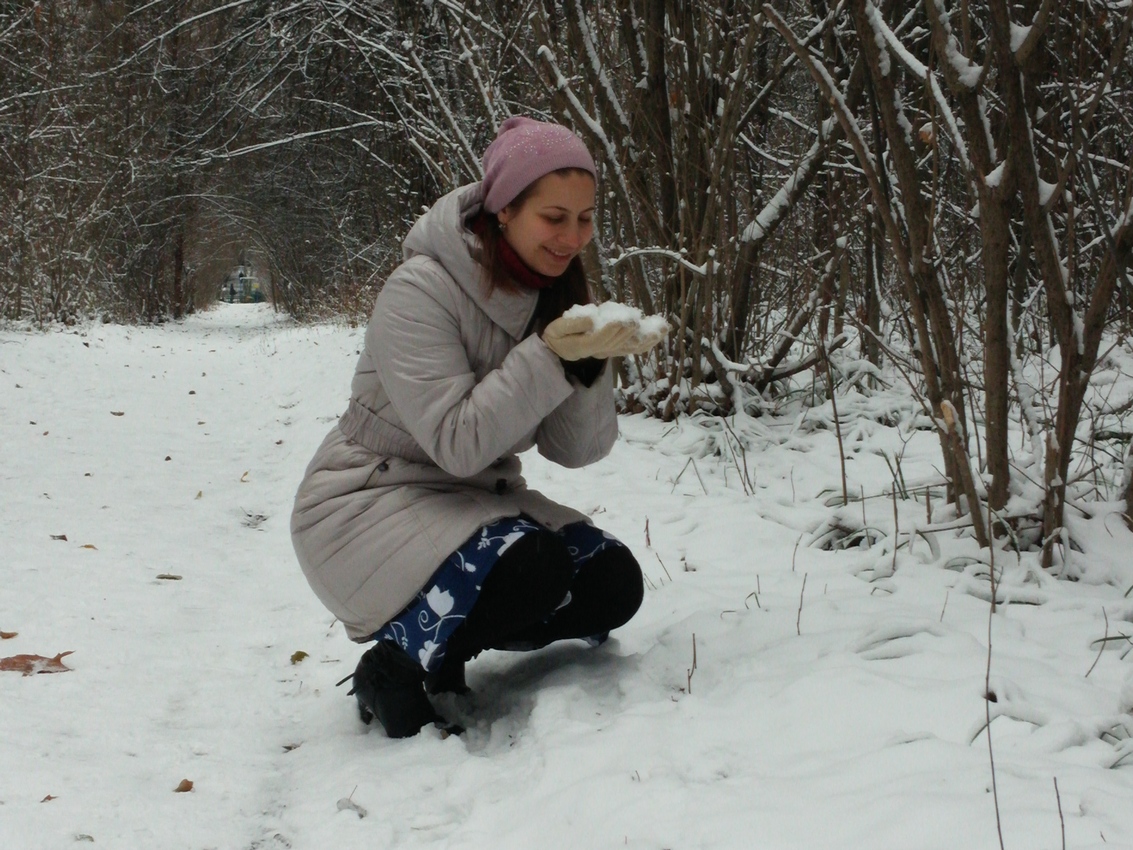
[[536, 571], [619, 576]]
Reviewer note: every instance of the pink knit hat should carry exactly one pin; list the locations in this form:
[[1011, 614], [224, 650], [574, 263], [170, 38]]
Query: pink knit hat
[[523, 151]]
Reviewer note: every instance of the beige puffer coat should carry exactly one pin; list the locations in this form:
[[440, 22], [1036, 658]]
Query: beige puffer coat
[[447, 391]]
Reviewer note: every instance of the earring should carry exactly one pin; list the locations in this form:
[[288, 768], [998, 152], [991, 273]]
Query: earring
[[503, 225]]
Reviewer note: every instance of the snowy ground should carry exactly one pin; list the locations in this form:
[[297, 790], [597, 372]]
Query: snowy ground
[[837, 699]]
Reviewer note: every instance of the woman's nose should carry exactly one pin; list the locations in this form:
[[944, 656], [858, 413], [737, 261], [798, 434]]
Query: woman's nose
[[576, 236]]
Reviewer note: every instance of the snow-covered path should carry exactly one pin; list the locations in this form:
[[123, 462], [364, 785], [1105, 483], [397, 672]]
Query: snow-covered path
[[836, 702]]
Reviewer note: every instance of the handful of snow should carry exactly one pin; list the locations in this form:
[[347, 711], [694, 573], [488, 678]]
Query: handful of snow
[[612, 312], [603, 330]]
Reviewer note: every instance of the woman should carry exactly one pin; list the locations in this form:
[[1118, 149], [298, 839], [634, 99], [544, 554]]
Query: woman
[[413, 524]]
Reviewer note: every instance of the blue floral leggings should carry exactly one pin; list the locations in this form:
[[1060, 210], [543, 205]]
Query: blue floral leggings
[[423, 628]]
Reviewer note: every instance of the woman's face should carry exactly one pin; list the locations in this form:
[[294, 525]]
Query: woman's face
[[553, 223]]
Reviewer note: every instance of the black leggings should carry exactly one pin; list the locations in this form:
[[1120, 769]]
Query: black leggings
[[535, 595]]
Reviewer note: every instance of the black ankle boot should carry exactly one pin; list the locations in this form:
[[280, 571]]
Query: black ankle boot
[[389, 685]]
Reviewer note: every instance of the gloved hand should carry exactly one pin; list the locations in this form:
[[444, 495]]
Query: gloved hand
[[649, 333], [575, 338]]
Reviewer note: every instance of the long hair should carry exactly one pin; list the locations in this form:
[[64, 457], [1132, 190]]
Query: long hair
[[569, 289]]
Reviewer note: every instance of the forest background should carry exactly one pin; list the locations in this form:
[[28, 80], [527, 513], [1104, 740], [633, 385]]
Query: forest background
[[824, 198]]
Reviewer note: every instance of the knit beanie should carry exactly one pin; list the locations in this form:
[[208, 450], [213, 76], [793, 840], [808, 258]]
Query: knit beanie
[[525, 150]]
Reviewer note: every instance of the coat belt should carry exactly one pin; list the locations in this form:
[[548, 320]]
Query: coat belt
[[366, 428]]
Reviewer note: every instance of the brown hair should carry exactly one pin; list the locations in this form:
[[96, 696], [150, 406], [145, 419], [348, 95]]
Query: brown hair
[[569, 289]]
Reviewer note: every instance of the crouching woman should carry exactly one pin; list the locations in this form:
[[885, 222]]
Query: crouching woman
[[413, 523]]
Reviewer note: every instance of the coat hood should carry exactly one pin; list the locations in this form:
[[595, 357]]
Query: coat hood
[[442, 234]]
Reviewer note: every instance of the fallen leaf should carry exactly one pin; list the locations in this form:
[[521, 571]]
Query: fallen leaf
[[200, 493], [296, 657], [8, 635], [192, 392], [347, 804], [89, 546], [244, 477], [184, 786], [279, 442], [58, 536], [49, 798], [168, 577], [167, 457], [31, 664], [289, 747], [118, 413]]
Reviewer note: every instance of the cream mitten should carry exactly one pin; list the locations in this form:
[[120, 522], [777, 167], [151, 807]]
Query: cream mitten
[[575, 337], [649, 334]]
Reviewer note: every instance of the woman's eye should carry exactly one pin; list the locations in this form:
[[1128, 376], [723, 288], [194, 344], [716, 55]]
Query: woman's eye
[[558, 219]]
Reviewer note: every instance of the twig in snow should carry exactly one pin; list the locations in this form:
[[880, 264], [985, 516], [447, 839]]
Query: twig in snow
[[698, 478], [897, 530], [758, 590], [1101, 648], [745, 477], [799, 617], [666, 569], [692, 669], [944, 607], [1061, 818], [682, 472]]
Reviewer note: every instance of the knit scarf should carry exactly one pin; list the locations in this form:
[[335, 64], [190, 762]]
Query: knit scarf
[[522, 273], [519, 270]]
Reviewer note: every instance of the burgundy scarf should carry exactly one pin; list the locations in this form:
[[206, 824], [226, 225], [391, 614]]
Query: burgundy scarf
[[519, 270]]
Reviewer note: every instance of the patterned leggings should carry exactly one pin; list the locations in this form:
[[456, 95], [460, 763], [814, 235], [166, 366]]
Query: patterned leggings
[[577, 582]]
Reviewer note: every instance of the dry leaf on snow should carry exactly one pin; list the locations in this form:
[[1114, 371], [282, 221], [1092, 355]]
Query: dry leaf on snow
[[7, 635], [185, 785], [346, 804], [31, 664]]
